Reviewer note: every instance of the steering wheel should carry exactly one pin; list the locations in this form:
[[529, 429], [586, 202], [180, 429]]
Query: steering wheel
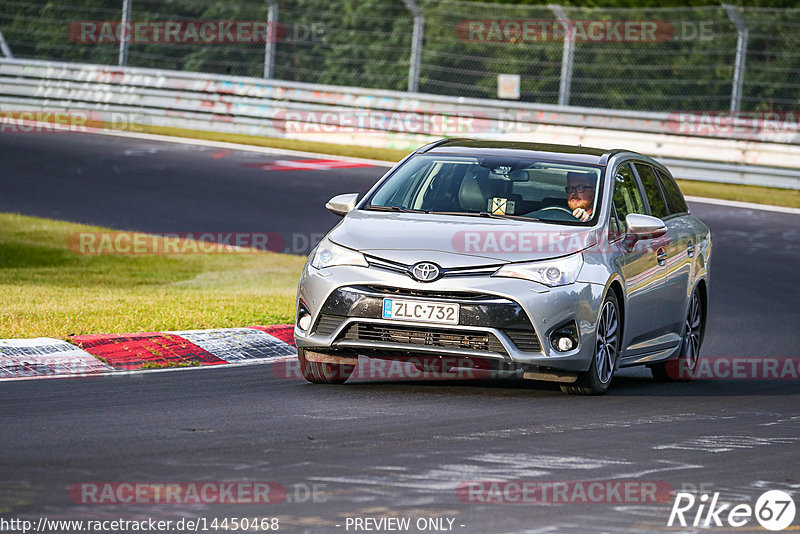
[[556, 208]]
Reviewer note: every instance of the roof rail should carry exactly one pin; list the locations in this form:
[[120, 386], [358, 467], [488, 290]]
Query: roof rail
[[613, 152], [440, 142]]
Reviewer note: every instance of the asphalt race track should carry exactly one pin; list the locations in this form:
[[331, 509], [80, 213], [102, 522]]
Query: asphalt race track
[[383, 449], [165, 187]]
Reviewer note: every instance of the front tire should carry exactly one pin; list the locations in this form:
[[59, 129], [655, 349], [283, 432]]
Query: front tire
[[597, 379], [322, 372], [684, 368]]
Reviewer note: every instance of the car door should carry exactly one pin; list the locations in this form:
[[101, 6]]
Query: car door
[[638, 263], [683, 244], [673, 251]]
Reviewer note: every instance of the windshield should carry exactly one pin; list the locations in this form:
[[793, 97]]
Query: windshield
[[492, 186]]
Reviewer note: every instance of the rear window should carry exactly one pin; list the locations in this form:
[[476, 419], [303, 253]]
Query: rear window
[[658, 206], [675, 201]]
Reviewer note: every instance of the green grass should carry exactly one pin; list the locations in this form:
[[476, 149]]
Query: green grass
[[166, 365], [48, 290], [742, 193]]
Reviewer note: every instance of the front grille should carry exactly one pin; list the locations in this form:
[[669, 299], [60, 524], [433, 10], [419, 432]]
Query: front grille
[[415, 336], [449, 295], [525, 340], [327, 324], [397, 267]]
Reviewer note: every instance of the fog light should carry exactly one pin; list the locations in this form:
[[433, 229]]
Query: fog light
[[564, 344], [304, 322], [565, 338]]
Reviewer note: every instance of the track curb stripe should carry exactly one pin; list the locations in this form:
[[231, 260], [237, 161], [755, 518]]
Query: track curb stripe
[[95, 354], [235, 345], [132, 351], [44, 357], [284, 332]]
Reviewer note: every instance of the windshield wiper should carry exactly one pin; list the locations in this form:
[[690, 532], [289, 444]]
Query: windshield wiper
[[485, 214], [400, 209]]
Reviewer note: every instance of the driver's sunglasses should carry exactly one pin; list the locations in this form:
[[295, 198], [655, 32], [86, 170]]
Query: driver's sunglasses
[[578, 188]]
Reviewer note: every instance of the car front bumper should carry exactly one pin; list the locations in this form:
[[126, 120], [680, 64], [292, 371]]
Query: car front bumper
[[506, 320]]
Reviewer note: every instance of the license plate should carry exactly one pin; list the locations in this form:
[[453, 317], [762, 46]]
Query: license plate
[[422, 311]]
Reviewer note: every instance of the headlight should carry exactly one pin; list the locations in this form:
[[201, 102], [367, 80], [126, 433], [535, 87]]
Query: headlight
[[328, 254], [558, 272]]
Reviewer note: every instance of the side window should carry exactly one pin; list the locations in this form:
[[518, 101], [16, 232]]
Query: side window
[[658, 206], [627, 198], [675, 200], [615, 228]]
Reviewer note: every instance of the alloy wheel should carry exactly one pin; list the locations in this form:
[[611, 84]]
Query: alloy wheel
[[691, 338], [606, 352]]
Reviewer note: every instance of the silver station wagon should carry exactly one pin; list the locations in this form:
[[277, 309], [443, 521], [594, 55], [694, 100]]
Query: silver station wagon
[[547, 262]]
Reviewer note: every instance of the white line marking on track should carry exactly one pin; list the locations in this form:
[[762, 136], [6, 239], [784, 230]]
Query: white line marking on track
[[725, 443], [743, 205]]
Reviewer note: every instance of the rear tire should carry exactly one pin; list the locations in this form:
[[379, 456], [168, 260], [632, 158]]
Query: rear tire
[[684, 367], [597, 379], [322, 373]]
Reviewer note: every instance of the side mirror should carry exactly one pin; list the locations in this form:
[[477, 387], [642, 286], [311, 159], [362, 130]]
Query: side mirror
[[341, 205], [645, 226]]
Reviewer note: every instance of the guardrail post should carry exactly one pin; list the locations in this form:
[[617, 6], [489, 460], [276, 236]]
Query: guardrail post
[[4, 49], [272, 38], [125, 35], [566, 56], [416, 45], [741, 56]]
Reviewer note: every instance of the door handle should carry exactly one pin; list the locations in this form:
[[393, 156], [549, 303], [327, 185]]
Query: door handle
[[690, 249], [661, 256]]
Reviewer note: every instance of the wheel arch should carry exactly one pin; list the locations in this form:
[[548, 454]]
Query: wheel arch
[[615, 284], [702, 290]]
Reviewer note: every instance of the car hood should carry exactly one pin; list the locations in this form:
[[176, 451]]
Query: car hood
[[457, 241]]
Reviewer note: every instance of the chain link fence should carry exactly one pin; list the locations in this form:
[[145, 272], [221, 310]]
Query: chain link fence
[[710, 58]]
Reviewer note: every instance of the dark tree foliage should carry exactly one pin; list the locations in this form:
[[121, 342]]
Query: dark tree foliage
[[367, 43]]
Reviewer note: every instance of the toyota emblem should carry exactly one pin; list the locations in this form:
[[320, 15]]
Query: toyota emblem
[[425, 271]]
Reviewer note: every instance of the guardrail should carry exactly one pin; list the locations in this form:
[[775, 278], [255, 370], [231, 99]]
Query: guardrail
[[349, 115]]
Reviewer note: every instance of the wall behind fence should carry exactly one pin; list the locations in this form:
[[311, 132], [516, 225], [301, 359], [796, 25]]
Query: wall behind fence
[[649, 59]]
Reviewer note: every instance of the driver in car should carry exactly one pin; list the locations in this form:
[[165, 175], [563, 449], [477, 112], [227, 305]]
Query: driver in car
[[580, 195]]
